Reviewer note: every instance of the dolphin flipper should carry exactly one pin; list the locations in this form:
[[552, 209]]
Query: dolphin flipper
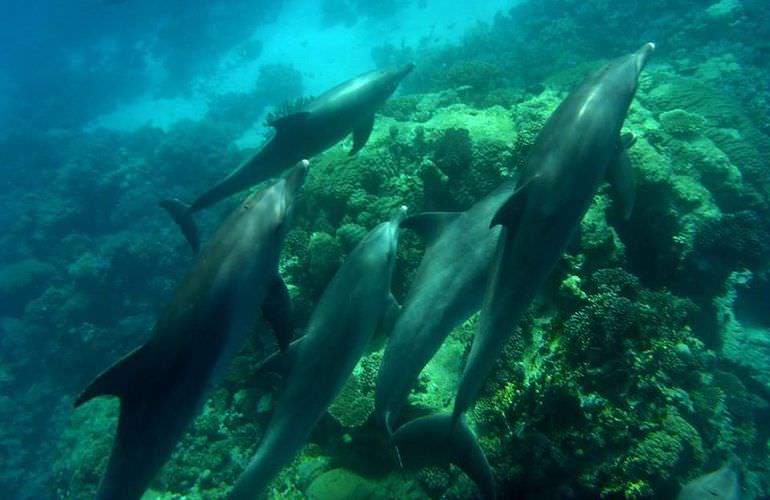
[[390, 315], [278, 311], [620, 175], [180, 212], [510, 212], [435, 441], [279, 362], [361, 135]]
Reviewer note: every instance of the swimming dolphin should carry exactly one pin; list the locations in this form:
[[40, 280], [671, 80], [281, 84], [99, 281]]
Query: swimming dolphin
[[446, 290], [338, 332], [721, 484], [163, 384], [317, 125], [579, 147]]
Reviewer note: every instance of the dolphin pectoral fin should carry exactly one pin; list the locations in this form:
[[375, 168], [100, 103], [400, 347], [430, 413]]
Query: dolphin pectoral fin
[[620, 175], [119, 379], [278, 311], [280, 362], [510, 212], [433, 440], [290, 122], [361, 135], [429, 225], [389, 315], [180, 212]]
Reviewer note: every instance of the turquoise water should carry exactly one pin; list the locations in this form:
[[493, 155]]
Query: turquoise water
[[642, 363]]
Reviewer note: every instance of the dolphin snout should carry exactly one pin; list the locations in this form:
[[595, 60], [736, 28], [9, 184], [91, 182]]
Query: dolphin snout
[[296, 177], [406, 69], [643, 55]]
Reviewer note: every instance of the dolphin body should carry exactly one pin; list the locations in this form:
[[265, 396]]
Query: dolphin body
[[163, 384], [343, 322], [317, 125], [721, 484], [447, 289], [579, 147]]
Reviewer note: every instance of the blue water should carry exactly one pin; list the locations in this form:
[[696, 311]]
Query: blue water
[[107, 107]]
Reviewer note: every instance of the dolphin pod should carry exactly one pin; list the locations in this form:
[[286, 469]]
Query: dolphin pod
[[317, 125], [343, 322], [164, 383], [495, 257], [579, 145]]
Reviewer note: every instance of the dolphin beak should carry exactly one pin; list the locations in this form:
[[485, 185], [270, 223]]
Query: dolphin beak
[[405, 70], [296, 177], [643, 55]]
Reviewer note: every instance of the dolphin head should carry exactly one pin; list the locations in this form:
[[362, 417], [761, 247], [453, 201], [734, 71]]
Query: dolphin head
[[265, 215], [620, 77], [389, 79], [288, 191]]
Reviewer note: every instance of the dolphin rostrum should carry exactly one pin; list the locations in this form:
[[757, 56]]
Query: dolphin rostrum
[[316, 125], [446, 290], [343, 322], [163, 384], [579, 146]]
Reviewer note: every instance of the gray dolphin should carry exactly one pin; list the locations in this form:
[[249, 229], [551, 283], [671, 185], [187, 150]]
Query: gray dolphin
[[721, 484], [343, 322], [163, 384], [315, 126], [446, 290], [579, 147]]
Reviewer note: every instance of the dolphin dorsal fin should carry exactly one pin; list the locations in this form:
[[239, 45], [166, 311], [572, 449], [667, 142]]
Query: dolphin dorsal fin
[[289, 122], [361, 135], [510, 212], [620, 176], [119, 379], [430, 225], [434, 440]]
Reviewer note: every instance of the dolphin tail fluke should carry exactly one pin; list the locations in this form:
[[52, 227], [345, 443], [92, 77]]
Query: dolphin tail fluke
[[180, 212], [117, 380], [438, 439]]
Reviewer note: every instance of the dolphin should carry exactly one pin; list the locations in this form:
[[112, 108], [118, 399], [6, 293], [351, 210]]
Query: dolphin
[[315, 126], [343, 322], [447, 289], [721, 484], [165, 382], [579, 146]]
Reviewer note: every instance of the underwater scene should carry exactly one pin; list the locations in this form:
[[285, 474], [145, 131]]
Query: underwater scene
[[384, 249]]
